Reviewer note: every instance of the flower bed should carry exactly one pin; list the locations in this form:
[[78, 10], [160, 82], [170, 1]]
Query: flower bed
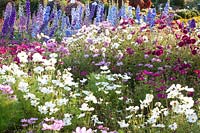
[[130, 77]]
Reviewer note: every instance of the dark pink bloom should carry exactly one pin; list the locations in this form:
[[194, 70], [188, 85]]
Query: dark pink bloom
[[129, 51]]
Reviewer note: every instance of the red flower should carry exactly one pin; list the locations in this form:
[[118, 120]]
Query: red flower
[[3, 50], [197, 71]]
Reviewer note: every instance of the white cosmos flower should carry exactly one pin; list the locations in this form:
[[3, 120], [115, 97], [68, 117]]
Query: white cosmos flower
[[46, 90], [67, 119], [90, 97], [115, 46], [23, 57], [37, 57], [158, 125], [149, 98], [188, 101], [151, 120], [81, 115], [43, 109], [38, 69], [23, 86], [84, 107], [129, 37], [62, 101], [91, 47], [192, 118], [173, 126], [123, 124], [34, 103], [188, 89], [53, 55], [104, 68]]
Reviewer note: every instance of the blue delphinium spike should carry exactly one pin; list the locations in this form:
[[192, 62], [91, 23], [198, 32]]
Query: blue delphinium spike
[[137, 14], [55, 23], [44, 27], [130, 12], [112, 15], [37, 22], [7, 14], [145, 18], [153, 16], [68, 22], [123, 12], [63, 23], [98, 18], [12, 21], [28, 13], [149, 15], [166, 9], [59, 13], [102, 12], [87, 20]]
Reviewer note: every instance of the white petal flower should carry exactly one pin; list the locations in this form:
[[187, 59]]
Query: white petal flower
[[173, 126], [123, 124], [192, 118]]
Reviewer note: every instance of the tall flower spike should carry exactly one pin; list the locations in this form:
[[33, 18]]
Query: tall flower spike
[[87, 19], [12, 21], [137, 14], [112, 15], [7, 15], [166, 9], [130, 12], [28, 13], [100, 7]]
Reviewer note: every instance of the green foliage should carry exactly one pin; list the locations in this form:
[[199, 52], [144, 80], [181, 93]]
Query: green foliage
[[11, 112], [187, 13]]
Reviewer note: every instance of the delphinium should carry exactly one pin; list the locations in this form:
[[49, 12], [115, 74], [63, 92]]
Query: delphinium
[[130, 12], [37, 23], [7, 14], [22, 19], [55, 23], [112, 15], [99, 14], [87, 19], [137, 15], [122, 12], [12, 22], [44, 27], [28, 14]]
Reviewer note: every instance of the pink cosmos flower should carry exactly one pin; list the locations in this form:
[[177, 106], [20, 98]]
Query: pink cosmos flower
[[6, 89], [83, 130], [56, 126]]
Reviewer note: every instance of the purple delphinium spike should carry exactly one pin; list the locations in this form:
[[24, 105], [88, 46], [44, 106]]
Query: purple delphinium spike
[[93, 7], [44, 27], [22, 23], [55, 23], [28, 13], [12, 21], [87, 20], [166, 9], [7, 15], [99, 14], [137, 14]]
